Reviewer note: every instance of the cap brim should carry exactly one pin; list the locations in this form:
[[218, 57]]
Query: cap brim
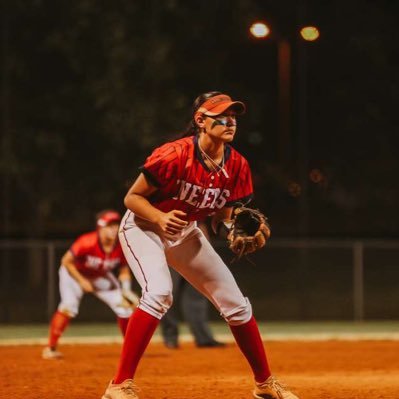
[[103, 223], [237, 106]]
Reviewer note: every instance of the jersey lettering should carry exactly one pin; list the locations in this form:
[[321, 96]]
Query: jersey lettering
[[207, 196], [201, 197], [185, 188], [222, 199], [216, 196], [110, 264], [185, 182], [93, 262], [195, 191]]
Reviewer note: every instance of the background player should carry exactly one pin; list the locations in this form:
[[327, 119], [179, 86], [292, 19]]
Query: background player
[[181, 182], [87, 267]]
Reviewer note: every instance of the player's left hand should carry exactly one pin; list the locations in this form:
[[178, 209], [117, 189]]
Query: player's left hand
[[249, 231]]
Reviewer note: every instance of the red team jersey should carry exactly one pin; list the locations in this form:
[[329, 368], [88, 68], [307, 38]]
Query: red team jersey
[[90, 258], [185, 183]]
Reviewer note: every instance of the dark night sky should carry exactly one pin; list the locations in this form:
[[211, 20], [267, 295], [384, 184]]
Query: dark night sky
[[89, 89]]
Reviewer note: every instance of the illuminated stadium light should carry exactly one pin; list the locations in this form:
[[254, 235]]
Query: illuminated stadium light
[[259, 30], [310, 33]]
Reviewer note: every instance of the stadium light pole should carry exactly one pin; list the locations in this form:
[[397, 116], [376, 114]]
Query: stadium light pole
[[307, 34], [260, 31]]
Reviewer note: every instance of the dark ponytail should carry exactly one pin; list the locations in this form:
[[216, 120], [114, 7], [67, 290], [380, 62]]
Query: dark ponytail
[[192, 128]]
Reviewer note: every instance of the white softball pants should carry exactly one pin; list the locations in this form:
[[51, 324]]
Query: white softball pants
[[106, 289], [149, 257]]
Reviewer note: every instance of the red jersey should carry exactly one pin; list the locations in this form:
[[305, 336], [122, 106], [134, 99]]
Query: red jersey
[[185, 182], [90, 258]]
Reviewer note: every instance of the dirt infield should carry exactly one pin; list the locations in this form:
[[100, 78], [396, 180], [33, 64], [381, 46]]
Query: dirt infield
[[332, 369]]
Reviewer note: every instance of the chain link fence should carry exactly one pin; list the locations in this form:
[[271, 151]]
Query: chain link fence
[[289, 280]]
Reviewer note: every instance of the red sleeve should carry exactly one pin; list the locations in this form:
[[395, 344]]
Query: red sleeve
[[242, 188], [161, 165], [79, 247]]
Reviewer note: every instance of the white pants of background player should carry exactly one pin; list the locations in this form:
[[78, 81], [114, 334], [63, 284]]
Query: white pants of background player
[[192, 256], [106, 289]]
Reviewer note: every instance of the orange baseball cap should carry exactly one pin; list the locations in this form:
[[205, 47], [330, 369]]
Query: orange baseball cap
[[218, 104], [108, 217]]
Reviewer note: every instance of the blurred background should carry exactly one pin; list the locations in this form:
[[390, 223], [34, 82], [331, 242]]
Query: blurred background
[[89, 88]]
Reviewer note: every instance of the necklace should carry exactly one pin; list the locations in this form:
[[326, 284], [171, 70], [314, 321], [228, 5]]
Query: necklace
[[216, 167]]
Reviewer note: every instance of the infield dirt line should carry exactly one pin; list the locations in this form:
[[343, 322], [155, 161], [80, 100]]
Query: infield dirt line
[[113, 339]]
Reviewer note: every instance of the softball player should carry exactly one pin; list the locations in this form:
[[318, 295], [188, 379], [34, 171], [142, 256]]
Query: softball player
[[87, 267], [181, 182]]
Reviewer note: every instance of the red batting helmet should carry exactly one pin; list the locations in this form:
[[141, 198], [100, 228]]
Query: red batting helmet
[[107, 217]]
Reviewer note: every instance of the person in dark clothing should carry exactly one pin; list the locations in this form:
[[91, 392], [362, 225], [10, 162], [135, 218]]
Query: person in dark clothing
[[194, 308]]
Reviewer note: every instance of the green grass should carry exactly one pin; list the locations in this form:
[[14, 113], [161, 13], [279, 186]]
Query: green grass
[[110, 329]]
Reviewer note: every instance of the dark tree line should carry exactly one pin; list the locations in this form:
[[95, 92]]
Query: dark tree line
[[88, 88]]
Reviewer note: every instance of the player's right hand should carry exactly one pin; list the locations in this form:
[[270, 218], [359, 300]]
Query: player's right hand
[[172, 222], [86, 285]]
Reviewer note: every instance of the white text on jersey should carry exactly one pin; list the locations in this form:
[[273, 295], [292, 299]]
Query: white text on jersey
[[201, 197]]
